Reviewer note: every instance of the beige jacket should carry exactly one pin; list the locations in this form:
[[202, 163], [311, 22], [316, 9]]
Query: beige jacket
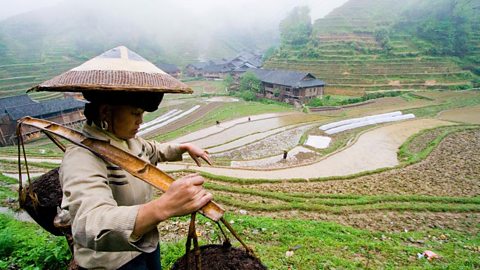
[[103, 201]]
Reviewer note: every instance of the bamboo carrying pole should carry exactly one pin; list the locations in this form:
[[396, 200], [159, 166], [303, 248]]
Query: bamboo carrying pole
[[130, 163]]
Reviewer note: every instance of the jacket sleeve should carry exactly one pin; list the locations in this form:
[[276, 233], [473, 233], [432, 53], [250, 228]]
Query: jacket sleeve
[[98, 222], [161, 152]]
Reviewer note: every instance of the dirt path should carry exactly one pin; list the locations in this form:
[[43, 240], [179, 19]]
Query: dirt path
[[381, 144]]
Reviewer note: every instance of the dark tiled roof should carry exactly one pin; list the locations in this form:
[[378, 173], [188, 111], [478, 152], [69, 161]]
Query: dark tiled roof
[[59, 105], [228, 65], [257, 62], [169, 68], [294, 79], [18, 112], [199, 65], [215, 68], [44, 108], [15, 101]]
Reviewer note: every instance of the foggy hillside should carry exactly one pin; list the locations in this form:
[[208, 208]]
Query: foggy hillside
[[173, 31]]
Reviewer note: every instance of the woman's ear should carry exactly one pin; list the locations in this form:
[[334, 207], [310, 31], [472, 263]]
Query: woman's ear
[[105, 112]]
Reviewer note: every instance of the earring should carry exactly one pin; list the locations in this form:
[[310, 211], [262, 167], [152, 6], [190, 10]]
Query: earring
[[104, 125]]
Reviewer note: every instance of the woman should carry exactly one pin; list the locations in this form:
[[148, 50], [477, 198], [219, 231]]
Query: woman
[[113, 217], [113, 220]]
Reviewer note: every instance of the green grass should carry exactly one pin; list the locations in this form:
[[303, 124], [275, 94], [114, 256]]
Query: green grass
[[342, 207], [40, 148], [13, 165], [326, 245], [7, 180], [25, 245], [316, 245]]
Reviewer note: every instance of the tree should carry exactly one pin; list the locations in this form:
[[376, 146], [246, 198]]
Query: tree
[[250, 82], [448, 26], [296, 28], [382, 37], [228, 81]]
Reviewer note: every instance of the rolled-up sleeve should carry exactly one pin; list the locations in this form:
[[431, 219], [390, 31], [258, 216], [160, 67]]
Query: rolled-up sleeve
[[98, 222]]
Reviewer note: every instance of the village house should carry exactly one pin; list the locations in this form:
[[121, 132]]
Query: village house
[[195, 69], [63, 111], [221, 68], [292, 87], [170, 69]]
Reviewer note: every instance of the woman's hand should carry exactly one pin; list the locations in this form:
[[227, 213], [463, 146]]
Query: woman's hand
[[184, 196], [196, 152]]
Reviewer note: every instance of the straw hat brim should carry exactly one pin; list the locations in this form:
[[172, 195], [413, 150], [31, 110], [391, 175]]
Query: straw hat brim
[[113, 80], [118, 69]]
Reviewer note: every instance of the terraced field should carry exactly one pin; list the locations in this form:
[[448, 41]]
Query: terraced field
[[350, 58], [428, 205], [380, 219], [21, 71], [16, 79]]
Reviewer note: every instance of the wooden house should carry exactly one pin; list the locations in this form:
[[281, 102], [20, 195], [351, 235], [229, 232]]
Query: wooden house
[[63, 111], [292, 87]]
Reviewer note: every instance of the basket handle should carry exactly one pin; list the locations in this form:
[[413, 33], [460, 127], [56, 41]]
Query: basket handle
[[21, 151]]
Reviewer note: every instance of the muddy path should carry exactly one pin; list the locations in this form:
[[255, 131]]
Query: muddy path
[[373, 149]]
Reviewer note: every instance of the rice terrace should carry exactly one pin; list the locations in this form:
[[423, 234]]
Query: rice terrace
[[376, 165]]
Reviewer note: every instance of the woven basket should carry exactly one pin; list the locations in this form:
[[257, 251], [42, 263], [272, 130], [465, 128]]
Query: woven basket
[[41, 198]]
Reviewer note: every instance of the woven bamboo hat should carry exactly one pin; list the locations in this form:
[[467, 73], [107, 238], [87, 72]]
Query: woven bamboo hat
[[119, 70]]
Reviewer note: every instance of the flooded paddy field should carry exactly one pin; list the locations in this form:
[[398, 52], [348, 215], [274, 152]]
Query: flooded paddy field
[[373, 150], [227, 132], [275, 144], [469, 115]]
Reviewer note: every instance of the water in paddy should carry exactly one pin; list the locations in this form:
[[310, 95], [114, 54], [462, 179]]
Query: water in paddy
[[247, 128]]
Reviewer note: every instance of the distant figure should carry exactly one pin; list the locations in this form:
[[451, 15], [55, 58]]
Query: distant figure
[[218, 122], [248, 119], [285, 153]]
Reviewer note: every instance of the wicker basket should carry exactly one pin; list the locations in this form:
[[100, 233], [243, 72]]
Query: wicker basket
[[41, 198]]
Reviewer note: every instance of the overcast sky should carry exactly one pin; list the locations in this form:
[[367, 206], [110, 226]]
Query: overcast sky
[[319, 8]]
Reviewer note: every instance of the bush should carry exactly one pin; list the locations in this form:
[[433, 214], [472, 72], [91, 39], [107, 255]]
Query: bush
[[245, 95], [315, 102]]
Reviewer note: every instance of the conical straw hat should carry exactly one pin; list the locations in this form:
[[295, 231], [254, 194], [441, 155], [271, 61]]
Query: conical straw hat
[[118, 69]]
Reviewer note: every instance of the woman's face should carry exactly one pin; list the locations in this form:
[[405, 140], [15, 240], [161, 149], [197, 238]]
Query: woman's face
[[125, 120]]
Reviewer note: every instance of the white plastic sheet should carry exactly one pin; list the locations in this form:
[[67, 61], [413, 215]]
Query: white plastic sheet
[[320, 142], [353, 123], [355, 120]]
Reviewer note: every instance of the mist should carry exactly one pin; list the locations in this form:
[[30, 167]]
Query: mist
[[186, 28]]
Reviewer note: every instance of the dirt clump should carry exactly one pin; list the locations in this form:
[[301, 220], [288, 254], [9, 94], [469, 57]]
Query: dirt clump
[[220, 257]]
